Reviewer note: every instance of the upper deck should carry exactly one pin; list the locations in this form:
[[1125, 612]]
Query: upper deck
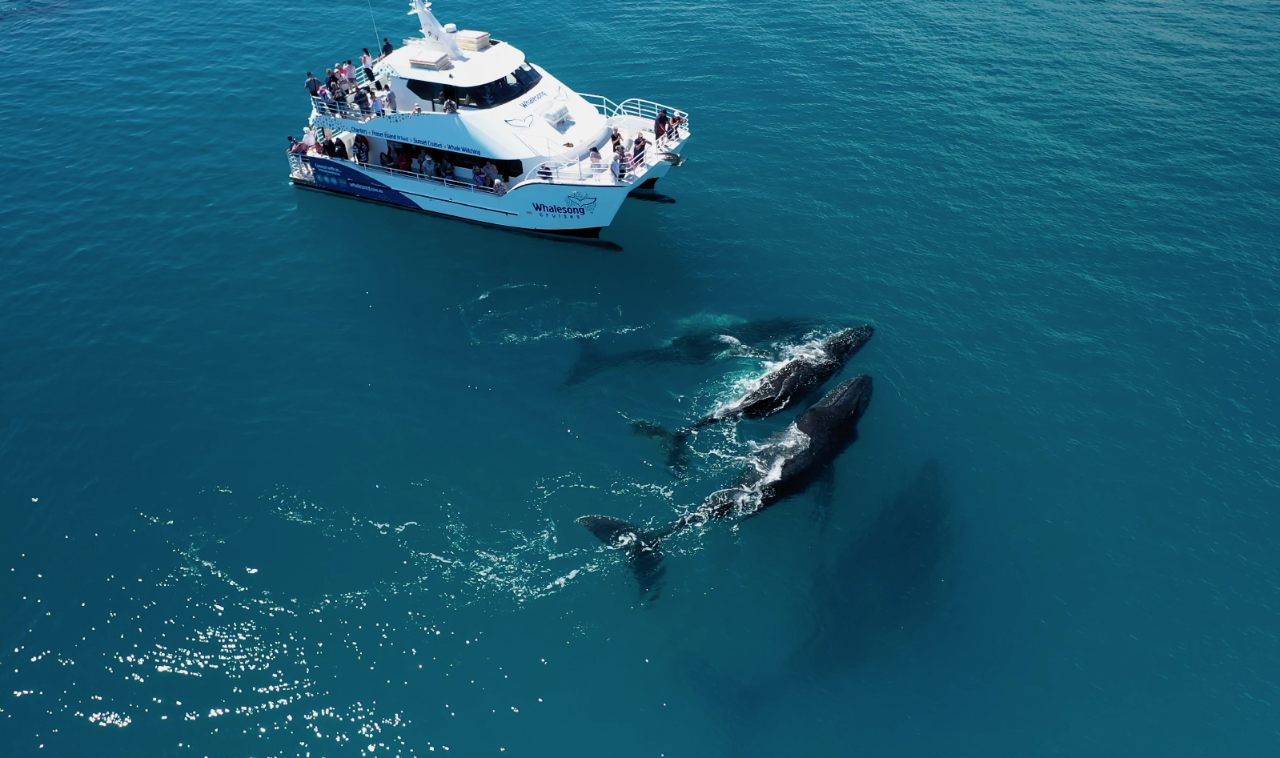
[[472, 68]]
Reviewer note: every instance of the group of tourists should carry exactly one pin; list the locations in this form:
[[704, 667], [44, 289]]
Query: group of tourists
[[341, 92], [411, 159], [418, 160], [487, 177], [343, 96], [326, 147], [666, 126]]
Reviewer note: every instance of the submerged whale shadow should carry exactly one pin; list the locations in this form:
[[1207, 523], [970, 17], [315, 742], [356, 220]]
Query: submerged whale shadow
[[890, 575], [748, 339], [652, 197], [870, 597]]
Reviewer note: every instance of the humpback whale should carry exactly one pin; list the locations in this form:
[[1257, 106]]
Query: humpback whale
[[736, 340], [786, 383], [784, 465]]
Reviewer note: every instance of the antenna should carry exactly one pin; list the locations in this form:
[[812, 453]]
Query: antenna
[[377, 38]]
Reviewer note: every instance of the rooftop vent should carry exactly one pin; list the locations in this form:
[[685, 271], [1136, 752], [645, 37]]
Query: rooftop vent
[[472, 40], [434, 60]]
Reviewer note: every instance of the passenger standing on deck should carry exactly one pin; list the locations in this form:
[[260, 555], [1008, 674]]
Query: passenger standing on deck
[[637, 149], [386, 47], [349, 71], [376, 101], [391, 101], [615, 168], [596, 166], [326, 100], [366, 61], [660, 125], [313, 84]]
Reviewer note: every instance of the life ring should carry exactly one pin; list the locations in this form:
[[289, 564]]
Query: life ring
[[361, 148]]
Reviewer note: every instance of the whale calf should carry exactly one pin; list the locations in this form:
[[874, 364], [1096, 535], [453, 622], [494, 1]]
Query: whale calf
[[784, 465], [735, 340], [783, 385]]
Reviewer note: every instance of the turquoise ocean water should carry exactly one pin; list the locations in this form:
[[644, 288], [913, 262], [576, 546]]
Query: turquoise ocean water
[[284, 474]]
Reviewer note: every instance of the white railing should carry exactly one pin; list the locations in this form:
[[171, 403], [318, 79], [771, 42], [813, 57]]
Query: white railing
[[646, 109], [300, 165], [558, 172], [347, 110]]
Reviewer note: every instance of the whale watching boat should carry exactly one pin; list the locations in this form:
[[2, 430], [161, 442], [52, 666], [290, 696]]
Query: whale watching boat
[[459, 124]]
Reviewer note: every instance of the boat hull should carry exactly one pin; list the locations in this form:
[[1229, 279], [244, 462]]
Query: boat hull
[[560, 208]]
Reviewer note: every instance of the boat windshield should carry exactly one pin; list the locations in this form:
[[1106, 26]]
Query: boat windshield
[[490, 95]]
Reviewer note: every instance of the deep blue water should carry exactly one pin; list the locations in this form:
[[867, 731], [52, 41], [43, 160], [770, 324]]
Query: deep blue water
[[292, 475]]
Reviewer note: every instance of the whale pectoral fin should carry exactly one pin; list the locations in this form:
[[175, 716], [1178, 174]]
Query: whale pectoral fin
[[824, 495], [591, 361], [674, 443], [644, 550], [611, 531]]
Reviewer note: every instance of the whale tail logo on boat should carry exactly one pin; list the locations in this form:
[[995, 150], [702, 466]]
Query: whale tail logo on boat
[[579, 200], [521, 123]]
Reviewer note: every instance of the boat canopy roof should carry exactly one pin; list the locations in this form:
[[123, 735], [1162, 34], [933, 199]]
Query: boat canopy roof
[[476, 68]]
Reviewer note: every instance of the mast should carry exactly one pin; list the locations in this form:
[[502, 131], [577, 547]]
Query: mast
[[431, 28]]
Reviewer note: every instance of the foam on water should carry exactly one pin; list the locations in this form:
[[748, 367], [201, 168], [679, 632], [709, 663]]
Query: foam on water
[[521, 313]]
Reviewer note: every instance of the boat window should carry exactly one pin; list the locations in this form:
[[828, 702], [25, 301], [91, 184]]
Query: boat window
[[426, 91], [509, 169], [490, 95], [501, 91]]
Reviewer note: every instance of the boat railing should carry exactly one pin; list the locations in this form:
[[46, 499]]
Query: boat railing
[[345, 110], [558, 172], [455, 183], [640, 108], [301, 166]]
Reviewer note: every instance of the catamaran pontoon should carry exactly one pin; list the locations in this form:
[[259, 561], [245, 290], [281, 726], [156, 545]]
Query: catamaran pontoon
[[452, 102]]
